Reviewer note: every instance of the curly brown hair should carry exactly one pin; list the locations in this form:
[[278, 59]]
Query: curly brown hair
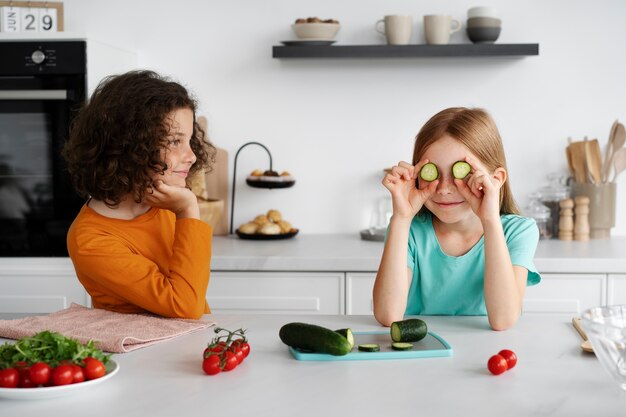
[[116, 139]]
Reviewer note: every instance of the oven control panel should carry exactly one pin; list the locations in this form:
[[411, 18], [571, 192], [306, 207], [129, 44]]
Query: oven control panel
[[45, 57]]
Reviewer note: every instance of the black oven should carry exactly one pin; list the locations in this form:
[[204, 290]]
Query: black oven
[[42, 85]]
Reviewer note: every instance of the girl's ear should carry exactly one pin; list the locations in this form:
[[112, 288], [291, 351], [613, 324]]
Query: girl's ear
[[499, 175]]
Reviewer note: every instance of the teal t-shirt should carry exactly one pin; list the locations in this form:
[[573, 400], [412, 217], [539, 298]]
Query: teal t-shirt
[[454, 285]]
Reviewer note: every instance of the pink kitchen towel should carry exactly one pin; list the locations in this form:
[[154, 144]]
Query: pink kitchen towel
[[113, 332]]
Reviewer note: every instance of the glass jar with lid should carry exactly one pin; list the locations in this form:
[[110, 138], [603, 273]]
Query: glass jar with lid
[[551, 196], [542, 215]]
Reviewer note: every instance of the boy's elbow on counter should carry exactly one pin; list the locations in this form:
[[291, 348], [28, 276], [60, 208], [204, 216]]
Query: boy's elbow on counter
[[386, 318], [191, 311]]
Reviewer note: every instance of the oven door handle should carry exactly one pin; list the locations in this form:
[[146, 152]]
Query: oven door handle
[[33, 94]]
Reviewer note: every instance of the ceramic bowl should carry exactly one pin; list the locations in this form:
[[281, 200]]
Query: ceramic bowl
[[318, 31], [482, 11], [606, 329], [484, 22], [483, 35]]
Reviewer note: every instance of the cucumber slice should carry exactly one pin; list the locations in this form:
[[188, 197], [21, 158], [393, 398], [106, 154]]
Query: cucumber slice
[[347, 333], [409, 330], [429, 172], [369, 347], [401, 346], [461, 169]]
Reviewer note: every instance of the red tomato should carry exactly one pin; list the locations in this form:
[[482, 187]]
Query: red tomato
[[9, 378], [238, 354], [245, 348], [497, 365], [510, 357], [211, 365], [94, 369], [230, 361], [78, 374], [24, 372], [62, 375], [39, 373]]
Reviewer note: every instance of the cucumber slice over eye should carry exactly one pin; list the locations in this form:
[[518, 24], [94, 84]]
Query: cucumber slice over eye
[[369, 347], [461, 169], [429, 172]]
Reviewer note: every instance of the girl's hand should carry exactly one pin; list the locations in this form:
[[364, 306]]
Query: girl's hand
[[179, 200], [406, 198], [482, 190]]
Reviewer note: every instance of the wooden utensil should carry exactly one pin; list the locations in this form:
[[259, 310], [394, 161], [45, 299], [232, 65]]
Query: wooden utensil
[[577, 150], [593, 161], [619, 162], [586, 344], [618, 140], [608, 152]]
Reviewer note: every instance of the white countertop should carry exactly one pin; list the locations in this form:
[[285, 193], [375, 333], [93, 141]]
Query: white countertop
[[553, 377], [348, 252]]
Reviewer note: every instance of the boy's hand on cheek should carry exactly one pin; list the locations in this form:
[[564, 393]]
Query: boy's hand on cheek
[[179, 200]]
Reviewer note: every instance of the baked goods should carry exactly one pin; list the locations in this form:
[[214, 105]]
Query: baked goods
[[261, 219], [274, 216], [271, 223], [270, 229], [249, 228], [269, 176]]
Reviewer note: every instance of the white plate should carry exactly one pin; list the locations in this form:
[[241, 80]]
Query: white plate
[[50, 392]]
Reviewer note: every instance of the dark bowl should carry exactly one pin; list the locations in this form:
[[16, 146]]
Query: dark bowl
[[483, 35]]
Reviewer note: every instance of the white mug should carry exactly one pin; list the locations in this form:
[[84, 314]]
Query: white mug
[[397, 29], [439, 27]]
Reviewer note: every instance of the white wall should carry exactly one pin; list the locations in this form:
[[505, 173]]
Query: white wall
[[335, 124]]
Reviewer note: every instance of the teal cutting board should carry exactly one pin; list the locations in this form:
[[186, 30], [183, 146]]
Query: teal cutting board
[[431, 346]]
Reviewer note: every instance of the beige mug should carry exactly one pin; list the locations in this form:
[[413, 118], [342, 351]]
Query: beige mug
[[601, 207], [397, 29], [439, 27]]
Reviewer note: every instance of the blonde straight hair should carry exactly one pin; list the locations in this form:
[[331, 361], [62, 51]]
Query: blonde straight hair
[[475, 129]]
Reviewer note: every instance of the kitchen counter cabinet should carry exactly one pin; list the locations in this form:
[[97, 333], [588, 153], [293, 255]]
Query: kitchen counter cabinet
[[553, 377], [332, 274], [39, 285], [276, 292], [617, 289]]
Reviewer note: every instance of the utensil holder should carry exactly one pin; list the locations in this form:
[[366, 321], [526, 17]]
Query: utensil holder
[[601, 207]]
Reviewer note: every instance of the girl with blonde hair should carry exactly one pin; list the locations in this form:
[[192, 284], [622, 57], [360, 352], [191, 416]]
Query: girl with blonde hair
[[456, 244]]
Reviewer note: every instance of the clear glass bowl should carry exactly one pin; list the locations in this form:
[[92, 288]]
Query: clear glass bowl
[[606, 329]]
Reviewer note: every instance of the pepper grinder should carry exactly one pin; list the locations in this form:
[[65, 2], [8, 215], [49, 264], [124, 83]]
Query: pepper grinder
[[566, 219], [581, 221]]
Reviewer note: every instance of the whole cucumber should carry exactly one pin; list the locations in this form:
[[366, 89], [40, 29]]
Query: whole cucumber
[[314, 338]]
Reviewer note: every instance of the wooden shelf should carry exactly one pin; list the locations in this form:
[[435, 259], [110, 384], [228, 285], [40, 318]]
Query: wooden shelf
[[406, 51]]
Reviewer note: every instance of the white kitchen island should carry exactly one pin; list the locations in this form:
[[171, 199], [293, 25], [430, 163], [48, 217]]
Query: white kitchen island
[[326, 274], [553, 377]]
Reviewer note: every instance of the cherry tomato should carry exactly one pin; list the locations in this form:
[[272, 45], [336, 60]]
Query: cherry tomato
[[62, 375], [211, 365], [9, 378], [94, 368], [39, 373], [24, 372], [230, 361], [238, 354], [510, 357], [245, 348], [497, 365], [78, 374]]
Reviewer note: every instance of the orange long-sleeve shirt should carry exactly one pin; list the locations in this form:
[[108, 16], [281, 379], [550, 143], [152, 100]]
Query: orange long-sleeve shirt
[[153, 263]]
